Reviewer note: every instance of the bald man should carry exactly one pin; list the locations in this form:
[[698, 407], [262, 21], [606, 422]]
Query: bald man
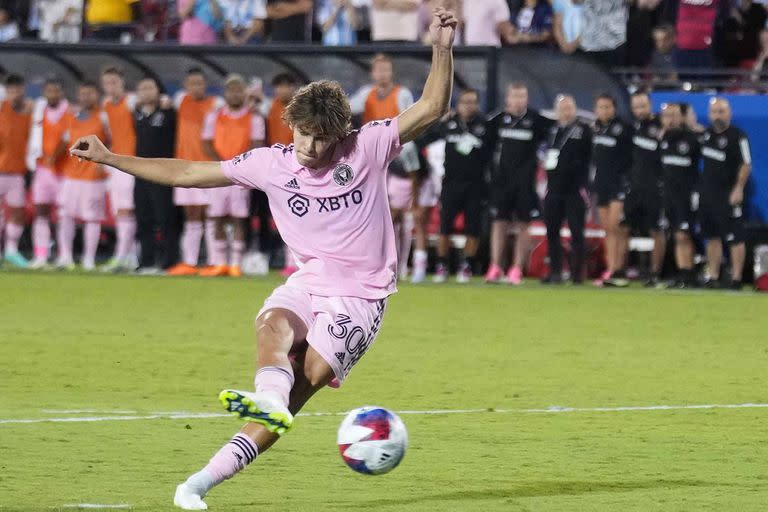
[[727, 165], [569, 147]]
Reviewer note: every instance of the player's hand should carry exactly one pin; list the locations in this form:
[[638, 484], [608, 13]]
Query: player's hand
[[737, 196], [442, 30], [90, 148]]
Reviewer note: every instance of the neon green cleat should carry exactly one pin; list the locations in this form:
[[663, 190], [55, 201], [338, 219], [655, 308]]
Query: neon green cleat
[[261, 408]]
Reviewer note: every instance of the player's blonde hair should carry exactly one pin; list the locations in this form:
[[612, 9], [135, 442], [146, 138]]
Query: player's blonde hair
[[320, 108]]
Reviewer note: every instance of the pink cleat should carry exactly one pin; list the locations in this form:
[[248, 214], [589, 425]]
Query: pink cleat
[[494, 274], [515, 276], [603, 277], [288, 271]]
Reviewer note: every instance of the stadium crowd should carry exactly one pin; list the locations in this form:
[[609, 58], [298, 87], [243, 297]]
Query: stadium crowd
[[661, 34], [499, 174]]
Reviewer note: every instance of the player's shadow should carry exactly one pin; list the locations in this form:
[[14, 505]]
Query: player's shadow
[[540, 489]]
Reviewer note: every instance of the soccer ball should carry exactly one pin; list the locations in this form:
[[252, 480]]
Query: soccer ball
[[372, 440]]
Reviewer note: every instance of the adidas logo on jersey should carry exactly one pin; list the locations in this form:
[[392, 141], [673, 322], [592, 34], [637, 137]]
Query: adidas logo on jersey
[[293, 184]]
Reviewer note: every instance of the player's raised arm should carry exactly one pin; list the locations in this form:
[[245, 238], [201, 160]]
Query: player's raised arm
[[436, 97], [166, 171]]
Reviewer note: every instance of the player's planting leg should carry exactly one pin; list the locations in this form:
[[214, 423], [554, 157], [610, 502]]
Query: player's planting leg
[[218, 257]]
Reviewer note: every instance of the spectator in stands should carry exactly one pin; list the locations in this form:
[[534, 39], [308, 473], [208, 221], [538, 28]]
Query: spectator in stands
[[604, 34], [291, 20], [244, 21], [643, 16], [9, 29], [567, 24], [662, 60], [155, 19], [111, 19], [696, 23], [487, 23], [201, 21], [741, 34], [532, 23], [338, 20], [59, 20], [763, 55], [395, 20]]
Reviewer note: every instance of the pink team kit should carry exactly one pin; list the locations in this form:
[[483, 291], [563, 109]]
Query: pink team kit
[[337, 224]]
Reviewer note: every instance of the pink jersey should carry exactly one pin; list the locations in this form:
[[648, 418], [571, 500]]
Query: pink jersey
[[335, 220]]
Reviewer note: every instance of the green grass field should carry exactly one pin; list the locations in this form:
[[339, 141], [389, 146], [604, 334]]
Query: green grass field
[[144, 345]]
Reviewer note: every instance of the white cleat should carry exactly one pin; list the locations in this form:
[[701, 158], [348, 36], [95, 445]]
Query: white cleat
[[419, 275], [186, 499]]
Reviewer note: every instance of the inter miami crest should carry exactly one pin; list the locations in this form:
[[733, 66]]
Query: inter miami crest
[[343, 175]]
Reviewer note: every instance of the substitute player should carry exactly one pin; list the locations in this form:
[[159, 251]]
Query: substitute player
[[192, 105], [329, 312], [467, 153], [119, 107], [643, 208], [680, 153], [230, 131], [567, 163], [727, 165], [519, 131], [15, 125], [50, 125], [84, 188], [612, 158]]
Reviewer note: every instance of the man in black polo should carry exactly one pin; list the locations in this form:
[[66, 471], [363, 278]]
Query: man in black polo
[[727, 165], [155, 138], [569, 147], [467, 152], [518, 131]]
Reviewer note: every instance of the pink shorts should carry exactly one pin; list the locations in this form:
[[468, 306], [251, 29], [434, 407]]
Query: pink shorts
[[12, 190], [340, 329], [231, 201], [399, 190], [120, 187], [84, 200], [45, 186], [190, 196]]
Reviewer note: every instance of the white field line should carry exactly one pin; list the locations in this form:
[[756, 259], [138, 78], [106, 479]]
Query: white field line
[[184, 415], [95, 505], [84, 411]]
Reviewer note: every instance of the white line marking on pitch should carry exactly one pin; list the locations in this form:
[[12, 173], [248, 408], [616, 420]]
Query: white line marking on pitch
[[95, 505], [183, 415], [84, 411]]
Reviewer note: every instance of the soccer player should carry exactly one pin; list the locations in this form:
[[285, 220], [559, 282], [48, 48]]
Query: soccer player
[[284, 86], [329, 312], [727, 165], [680, 153], [15, 125], [119, 107], [643, 209], [467, 152], [84, 189], [569, 146], [49, 128], [192, 105], [518, 132], [381, 99], [228, 132], [612, 157]]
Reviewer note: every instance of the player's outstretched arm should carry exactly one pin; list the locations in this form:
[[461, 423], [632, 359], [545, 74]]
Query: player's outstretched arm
[[166, 171], [435, 99]]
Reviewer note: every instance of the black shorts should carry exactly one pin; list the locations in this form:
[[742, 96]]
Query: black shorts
[[513, 200], [721, 220], [680, 207], [609, 188], [461, 197], [643, 210]]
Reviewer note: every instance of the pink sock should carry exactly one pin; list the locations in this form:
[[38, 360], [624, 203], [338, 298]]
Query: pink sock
[[231, 458], [90, 243], [41, 237], [398, 242], [126, 236], [210, 239], [65, 237], [237, 250], [407, 238], [275, 380], [13, 232], [219, 256], [190, 241]]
